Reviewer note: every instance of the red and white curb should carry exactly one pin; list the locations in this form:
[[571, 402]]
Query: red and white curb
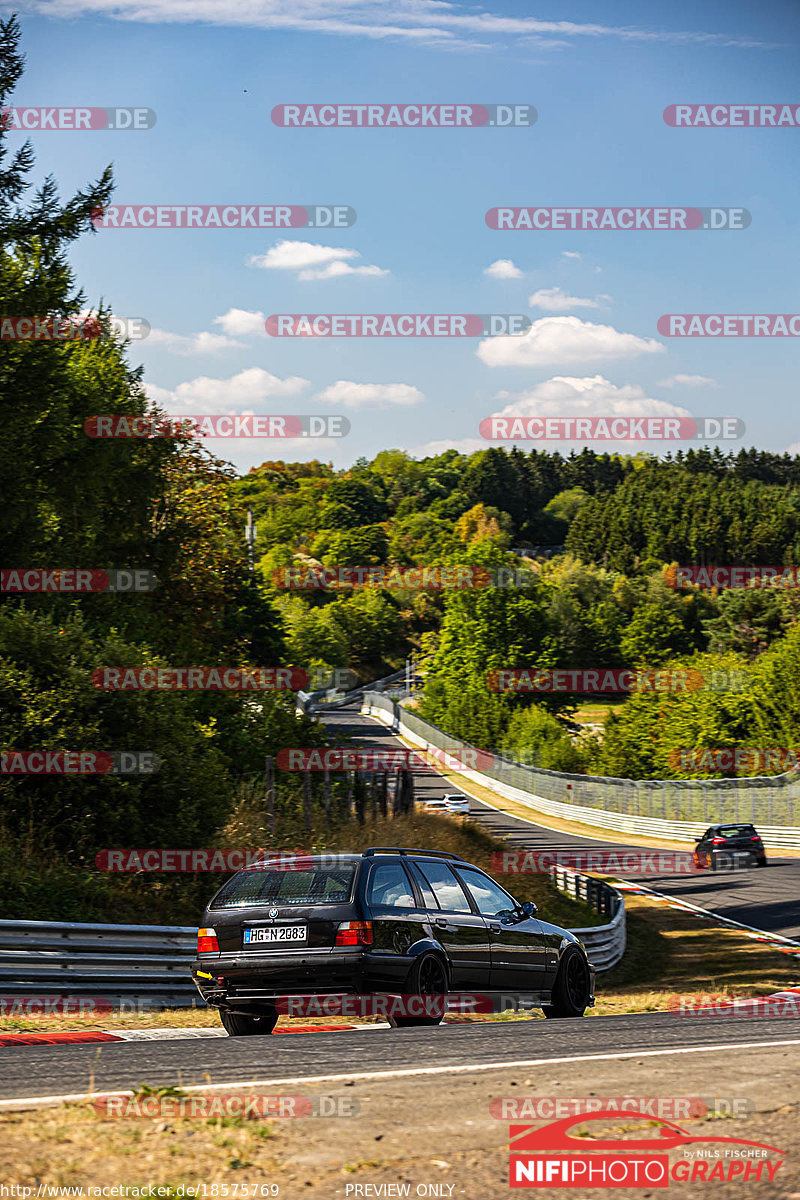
[[76, 1037]]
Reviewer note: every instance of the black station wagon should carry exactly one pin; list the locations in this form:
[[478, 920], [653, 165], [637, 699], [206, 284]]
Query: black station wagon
[[389, 921]]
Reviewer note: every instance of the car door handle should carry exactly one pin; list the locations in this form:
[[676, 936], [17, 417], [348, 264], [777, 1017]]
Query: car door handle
[[495, 927], [443, 924]]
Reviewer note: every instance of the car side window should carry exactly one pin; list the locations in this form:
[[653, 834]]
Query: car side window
[[389, 886], [428, 898], [490, 898], [446, 888]]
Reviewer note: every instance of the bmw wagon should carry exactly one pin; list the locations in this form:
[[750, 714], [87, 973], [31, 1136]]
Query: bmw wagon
[[392, 921]]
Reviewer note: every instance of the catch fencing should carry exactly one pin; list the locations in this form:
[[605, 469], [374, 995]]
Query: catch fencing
[[670, 809]]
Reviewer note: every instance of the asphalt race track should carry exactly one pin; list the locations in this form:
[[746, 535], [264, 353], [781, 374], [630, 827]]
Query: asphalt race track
[[766, 898], [29, 1071]]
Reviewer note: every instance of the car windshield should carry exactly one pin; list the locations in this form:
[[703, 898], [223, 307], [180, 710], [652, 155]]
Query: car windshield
[[735, 831], [318, 885]]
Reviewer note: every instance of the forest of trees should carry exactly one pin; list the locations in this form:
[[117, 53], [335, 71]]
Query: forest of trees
[[599, 597]]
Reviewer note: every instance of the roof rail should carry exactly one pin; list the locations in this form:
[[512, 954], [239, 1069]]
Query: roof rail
[[371, 851]]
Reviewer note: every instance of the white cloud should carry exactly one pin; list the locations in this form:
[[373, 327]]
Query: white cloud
[[311, 261], [434, 22], [570, 254], [193, 343], [793, 449], [336, 269], [503, 268], [691, 381], [380, 395], [238, 322], [557, 300], [586, 396], [462, 445], [554, 340], [207, 395], [293, 256]]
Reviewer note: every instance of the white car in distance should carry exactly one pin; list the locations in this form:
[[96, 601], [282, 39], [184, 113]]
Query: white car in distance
[[456, 802]]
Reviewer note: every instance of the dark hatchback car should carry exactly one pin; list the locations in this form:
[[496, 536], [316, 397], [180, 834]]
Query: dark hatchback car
[[727, 846], [389, 921]]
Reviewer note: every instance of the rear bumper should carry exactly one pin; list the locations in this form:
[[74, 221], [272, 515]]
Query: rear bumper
[[737, 858], [228, 980]]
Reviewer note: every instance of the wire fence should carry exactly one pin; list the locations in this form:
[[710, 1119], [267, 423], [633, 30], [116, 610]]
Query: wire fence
[[764, 800]]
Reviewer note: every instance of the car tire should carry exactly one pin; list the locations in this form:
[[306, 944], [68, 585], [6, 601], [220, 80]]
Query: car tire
[[712, 863], [427, 977], [242, 1025], [762, 862], [572, 989]]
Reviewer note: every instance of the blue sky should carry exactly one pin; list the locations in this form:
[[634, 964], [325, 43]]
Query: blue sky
[[599, 76]]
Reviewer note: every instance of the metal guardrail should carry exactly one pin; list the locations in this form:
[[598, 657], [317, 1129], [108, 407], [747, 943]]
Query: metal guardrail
[[139, 967], [605, 944], [130, 966], [687, 806], [320, 701]]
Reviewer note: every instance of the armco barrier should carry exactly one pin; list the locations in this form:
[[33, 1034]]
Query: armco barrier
[[671, 810], [128, 965], [605, 944], [320, 701]]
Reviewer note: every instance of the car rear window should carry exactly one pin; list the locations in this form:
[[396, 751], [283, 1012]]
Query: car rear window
[[734, 831], [318, 885], [389, 886]]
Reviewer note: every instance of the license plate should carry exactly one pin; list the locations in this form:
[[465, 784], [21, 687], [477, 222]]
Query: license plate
[[288, 934]]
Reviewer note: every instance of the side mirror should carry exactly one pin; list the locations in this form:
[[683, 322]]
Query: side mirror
[[529, 909]]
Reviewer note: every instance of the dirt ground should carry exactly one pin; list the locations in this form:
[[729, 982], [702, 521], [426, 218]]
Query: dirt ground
[[428, 1133]]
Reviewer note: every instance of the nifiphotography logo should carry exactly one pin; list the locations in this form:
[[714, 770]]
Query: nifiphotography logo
[[552, 1157]]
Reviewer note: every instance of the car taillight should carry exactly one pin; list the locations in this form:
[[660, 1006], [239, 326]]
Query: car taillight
[[354, 933], [755, 839], [718, 841], [207, 941]]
